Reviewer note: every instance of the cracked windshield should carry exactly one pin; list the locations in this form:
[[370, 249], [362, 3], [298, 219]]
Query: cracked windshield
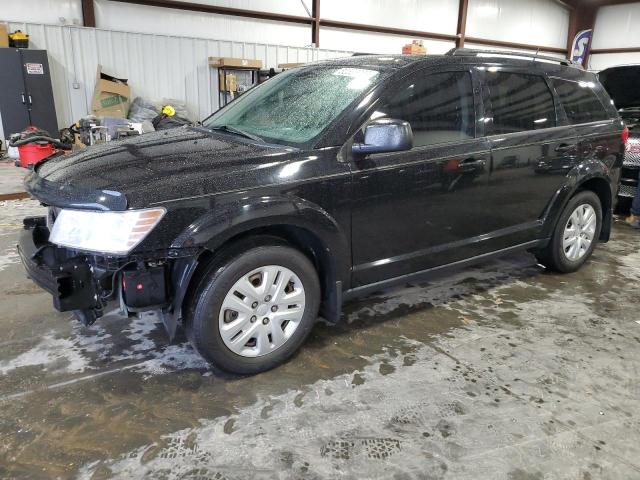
[[295, 106]]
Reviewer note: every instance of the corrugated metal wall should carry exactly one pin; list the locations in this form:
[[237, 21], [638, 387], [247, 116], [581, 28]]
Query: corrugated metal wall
[[616, 27], [157, 66]]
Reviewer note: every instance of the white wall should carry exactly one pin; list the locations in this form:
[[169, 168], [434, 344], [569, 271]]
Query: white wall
[[56, 12], [440, 16], [366, 42], [616, 27], [287, 7], [535, 22], [538, 22], [137, 18]]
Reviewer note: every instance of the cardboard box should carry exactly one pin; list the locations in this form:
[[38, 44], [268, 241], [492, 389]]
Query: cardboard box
[[218, 62], [414, 48], [287, 66], [4, 35], [110, 96], [232, 82]]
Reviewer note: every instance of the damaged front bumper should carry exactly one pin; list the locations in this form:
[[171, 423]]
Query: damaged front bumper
[[86, 284]]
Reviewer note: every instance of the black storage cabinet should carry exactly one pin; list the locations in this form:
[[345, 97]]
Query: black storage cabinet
[[26, 96]]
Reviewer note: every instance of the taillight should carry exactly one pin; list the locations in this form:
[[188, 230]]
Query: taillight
[[625, 136]]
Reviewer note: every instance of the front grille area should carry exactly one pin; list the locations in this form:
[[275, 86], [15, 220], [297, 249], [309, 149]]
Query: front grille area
[[627, 191]]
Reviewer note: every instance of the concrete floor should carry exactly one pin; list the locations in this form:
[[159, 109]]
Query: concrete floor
[[503, 371]]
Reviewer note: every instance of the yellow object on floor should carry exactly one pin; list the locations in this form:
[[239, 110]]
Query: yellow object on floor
[[633, 221]]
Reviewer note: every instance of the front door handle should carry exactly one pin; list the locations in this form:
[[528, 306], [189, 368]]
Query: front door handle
[[24, 101], [471, 165], [565, 148]]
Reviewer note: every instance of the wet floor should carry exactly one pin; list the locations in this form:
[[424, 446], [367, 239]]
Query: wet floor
[[503, 371]]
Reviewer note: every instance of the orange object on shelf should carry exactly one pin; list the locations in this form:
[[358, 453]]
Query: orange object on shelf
[[414, 48]]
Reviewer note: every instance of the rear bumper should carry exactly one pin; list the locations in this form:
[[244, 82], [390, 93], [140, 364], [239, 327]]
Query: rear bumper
[[69, 279]]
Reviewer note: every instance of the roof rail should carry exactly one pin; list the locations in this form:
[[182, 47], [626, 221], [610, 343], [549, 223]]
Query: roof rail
[[472, 52]]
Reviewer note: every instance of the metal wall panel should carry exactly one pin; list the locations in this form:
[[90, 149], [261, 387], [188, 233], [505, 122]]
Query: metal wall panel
[[143, 19], [56, 12], [601, 61], [439, 16], [617, 26], [157, 66], [369, 42], [535, 22], [288, 7]]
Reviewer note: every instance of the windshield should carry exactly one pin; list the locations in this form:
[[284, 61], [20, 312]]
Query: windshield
[[295, 106]]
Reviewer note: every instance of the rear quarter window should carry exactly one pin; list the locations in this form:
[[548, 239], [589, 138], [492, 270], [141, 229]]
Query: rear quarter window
[[520, 102], [580, 101]]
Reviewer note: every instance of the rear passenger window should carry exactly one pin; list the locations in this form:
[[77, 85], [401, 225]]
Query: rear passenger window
[[580, 102], [520, 102], [439, 107]]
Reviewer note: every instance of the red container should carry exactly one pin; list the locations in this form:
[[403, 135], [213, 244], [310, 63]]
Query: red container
[[32, 153]]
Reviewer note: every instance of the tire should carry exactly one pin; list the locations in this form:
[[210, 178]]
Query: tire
[[562, 257], [223, 285]]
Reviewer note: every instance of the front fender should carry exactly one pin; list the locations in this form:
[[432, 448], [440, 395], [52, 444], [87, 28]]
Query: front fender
[[238, 216]]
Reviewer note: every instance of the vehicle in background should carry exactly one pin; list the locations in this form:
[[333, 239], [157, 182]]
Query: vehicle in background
[[623, 85], [329, 181]]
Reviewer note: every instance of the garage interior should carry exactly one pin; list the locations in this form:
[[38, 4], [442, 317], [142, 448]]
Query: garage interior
[[503, 370]]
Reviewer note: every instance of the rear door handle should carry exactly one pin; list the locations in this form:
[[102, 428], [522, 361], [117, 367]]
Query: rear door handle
[[23, 99]]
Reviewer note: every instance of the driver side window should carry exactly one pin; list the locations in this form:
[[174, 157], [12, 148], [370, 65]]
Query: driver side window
[[439, 107]]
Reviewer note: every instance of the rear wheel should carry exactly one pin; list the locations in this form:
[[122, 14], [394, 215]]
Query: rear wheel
[[575, 235], [253, 311]]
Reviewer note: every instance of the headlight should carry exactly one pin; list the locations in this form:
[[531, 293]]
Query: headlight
[[104, 232]]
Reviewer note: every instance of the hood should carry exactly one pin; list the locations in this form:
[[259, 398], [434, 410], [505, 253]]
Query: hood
[[154, 167], [623, 85]]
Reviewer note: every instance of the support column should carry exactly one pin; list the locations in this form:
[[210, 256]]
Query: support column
[[580, 18], [315, 24], [88, 14], [462, 23]]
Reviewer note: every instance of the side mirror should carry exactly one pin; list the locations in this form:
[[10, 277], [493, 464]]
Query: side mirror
[[385, 135]]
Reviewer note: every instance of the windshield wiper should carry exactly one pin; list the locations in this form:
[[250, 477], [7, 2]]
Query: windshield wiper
[[237, 131]]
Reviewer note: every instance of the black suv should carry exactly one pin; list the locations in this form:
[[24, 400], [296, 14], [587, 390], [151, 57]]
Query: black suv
[[328, 181], [622, 83]]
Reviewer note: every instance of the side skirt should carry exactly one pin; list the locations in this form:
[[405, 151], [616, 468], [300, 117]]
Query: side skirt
[[425, 274]]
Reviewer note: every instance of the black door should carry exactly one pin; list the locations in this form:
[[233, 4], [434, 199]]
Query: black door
[[598, 131], [422, 208], [37, 79], [532, 152], [13, 97]]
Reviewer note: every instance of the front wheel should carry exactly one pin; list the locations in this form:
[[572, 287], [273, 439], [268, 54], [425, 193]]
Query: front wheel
[[575, 235], [254, 311]]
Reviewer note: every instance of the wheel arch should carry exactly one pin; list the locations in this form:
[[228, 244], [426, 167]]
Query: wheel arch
[[600, 185], [602, 188], [228, 229]]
